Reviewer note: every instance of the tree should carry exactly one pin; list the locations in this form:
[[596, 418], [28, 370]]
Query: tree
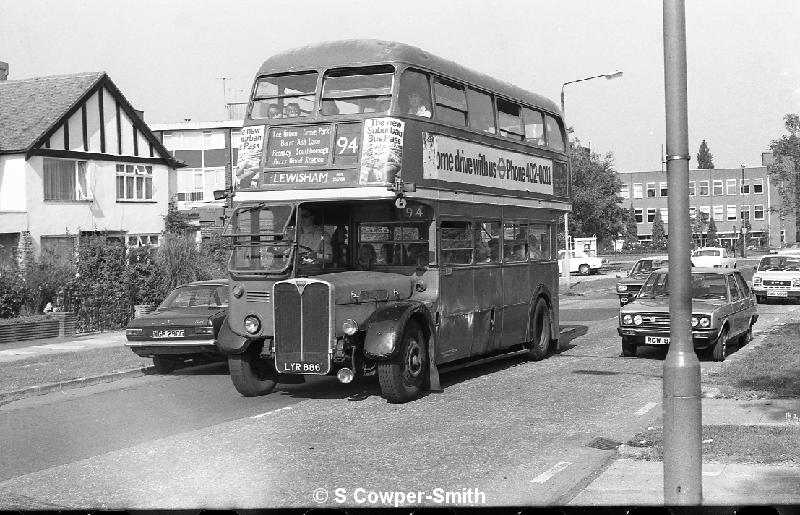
[[698, 223], [711, 237], [595, 190], [659, 238], [784, 170], [177, 222], [705, 160], [631, 227]]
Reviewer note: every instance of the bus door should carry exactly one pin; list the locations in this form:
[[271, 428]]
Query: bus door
[[457, 290], [516, 291], [488, 289]]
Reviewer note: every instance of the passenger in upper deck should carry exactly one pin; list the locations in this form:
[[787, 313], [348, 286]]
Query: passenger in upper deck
[[416, 106], [293, 110], [273, 111]]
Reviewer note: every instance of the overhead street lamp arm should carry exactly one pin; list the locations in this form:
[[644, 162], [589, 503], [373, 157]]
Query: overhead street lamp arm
[[608, 76]]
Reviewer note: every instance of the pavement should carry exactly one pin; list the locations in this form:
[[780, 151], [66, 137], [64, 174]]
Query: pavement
[[624, 481]]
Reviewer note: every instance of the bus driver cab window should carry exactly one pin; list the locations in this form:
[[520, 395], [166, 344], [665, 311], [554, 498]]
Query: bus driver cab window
[[415, 94]]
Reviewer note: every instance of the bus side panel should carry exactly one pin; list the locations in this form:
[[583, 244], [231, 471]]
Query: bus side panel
[[516, 303], [488, 287], [457, 306]]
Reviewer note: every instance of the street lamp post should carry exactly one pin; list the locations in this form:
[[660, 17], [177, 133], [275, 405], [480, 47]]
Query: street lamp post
[[744, 221], [607, 76]]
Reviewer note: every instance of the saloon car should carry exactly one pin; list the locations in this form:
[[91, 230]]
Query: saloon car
[[723, 312], [713, 257], [629, 286], [581, 262], [777, 277], [183, 327]]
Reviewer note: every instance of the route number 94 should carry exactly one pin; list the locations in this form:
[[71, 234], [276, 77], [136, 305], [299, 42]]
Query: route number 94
[[347, 145]]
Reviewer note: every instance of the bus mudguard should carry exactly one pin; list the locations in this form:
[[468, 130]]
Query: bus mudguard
[[385, 328], [229, 342]]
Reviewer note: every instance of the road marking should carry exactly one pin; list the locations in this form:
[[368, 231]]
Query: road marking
[[552, 471], [271, 412], [647, 407]]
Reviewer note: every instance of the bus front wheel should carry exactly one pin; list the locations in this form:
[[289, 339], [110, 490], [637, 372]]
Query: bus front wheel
[[251, 374], [401, 378], [540, 336]]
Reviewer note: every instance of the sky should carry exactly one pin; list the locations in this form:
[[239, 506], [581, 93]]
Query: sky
[[168, 57]]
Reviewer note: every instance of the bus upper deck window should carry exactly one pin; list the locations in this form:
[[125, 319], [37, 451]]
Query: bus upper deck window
[[509, 117], [534, 126], [451, 102], [481, 111], [414, 87], [357, 90], [555, 136], [284, 96]]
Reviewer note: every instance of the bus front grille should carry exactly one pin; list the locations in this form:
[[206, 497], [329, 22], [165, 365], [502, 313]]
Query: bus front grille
[[303, 326]]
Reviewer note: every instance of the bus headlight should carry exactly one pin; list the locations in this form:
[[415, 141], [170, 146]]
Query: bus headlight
[[622, 287], [252, 324], [627, 319], [637, 320], [349, 327], [237, 291]]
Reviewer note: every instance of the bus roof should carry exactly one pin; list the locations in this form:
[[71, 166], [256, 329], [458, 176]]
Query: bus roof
[[360, 52]]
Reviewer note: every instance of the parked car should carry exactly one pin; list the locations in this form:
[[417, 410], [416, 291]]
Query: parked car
[[777, 277], [184, 326], [713, 257], [629, 286], [723, 311], [789, 248], [581, 262]]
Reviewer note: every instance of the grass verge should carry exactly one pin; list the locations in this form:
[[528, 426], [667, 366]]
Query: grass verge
[[55, 368], [729, 444], [768, 371]]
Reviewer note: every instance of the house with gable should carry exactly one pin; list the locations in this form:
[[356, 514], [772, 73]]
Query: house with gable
[[75, 159]]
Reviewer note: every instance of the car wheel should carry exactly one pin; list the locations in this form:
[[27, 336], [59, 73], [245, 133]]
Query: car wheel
[[251, 374], [628, 348], [539, 331], [720, 348], [760, 299], [746, 336], [164, 364], [584, 269], [401, 378]]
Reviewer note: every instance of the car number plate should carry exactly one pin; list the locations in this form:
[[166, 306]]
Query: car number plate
[[169, 333], [777, 294], [656, 340]]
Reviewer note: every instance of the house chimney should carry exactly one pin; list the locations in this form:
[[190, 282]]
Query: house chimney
[[3, 70]]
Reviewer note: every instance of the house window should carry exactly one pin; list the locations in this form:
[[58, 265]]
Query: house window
[[651, 189], [662, 186], [705, 212], [744, 212], [691, 188], [637, 212], [718, 213], [665, 215], [703, 188], [139, 240], [58, 249], [625, 191], [717, 188], [692, 212], [758, 185], [731, 212], [745, 186], [730, 187], [758, 209], [637, 190], [134, 182], [66, 180], [651, 214]]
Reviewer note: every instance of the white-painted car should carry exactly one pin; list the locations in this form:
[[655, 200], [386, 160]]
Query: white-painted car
[[581, 262], [713, 257]]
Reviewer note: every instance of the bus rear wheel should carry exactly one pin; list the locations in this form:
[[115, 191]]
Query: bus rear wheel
[[539, 333], [251, 374], [401, 378]]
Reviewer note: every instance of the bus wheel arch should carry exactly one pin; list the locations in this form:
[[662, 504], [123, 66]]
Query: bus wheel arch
[[403, 376]]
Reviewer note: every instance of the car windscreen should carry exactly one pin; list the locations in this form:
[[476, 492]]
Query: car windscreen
[[645, 266], [703, 286], [781, 263], [714, 253], [201, 296]]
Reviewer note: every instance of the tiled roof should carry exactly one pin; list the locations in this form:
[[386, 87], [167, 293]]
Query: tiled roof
[[29, 107]]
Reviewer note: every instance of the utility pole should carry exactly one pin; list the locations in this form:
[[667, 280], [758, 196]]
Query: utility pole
[[683, 478], [224, 90]]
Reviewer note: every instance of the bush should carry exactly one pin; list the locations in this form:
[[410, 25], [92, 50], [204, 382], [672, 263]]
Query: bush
[[12, 292]]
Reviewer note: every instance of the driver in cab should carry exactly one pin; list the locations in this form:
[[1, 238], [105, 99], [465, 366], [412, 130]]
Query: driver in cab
[[314, 244]]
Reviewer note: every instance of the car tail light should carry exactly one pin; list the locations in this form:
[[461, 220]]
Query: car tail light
[[204, 330], [134, 332]]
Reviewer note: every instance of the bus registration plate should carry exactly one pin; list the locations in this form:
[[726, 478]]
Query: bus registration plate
[[301, 367], [656, 340], [174, 333]]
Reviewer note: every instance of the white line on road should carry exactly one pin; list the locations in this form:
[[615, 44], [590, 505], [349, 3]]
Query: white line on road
[[647, 407], [271, 412], [552, 471]]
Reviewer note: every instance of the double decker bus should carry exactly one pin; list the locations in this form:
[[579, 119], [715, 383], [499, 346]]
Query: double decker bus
[[395, 215]]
